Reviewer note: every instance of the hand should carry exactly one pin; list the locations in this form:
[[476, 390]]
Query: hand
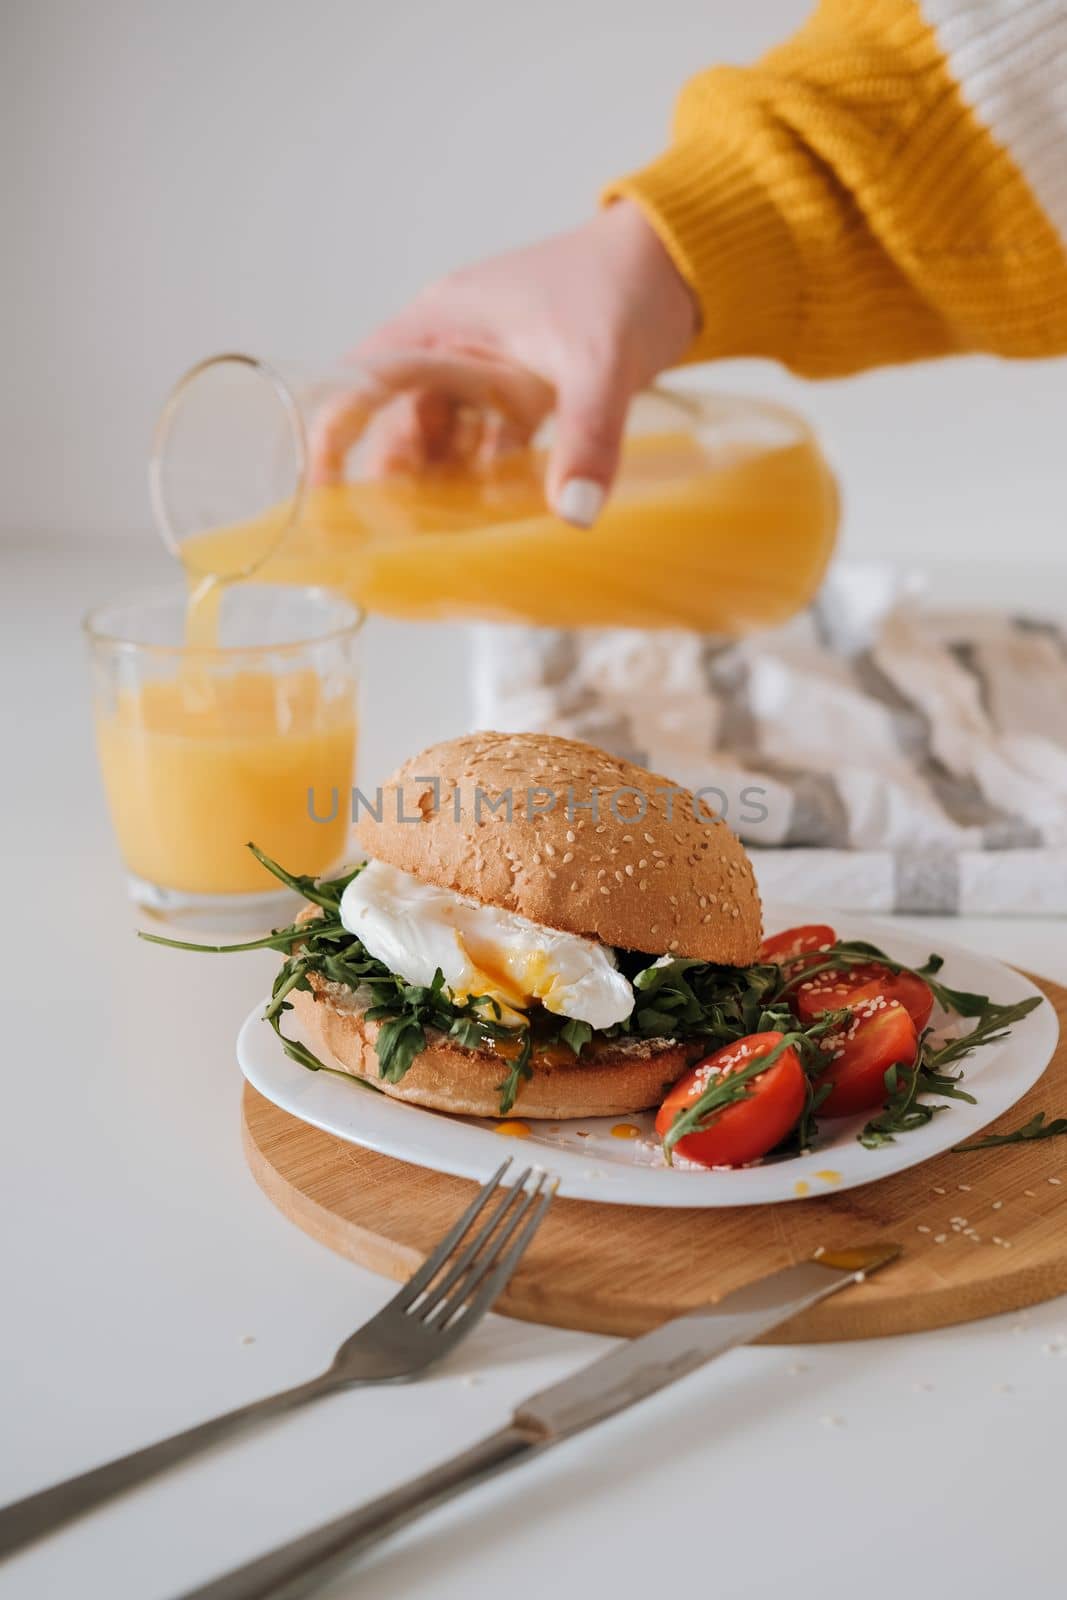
[[575, 325]]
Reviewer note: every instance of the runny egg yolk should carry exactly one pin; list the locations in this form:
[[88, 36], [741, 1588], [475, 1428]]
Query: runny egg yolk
[[514, 978]]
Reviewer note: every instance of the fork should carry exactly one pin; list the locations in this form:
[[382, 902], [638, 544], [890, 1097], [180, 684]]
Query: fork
[[439, 1305]]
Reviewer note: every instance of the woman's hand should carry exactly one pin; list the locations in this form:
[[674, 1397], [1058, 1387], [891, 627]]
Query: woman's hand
[[575, 325]]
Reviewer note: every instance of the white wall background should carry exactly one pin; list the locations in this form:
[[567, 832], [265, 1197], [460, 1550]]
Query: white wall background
[[181, 176]]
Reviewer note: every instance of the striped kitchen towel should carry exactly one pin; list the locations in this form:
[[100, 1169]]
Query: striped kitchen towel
[[874, 755]]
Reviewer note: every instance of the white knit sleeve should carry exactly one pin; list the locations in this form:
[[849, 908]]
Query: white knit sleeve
[[1009, 58]]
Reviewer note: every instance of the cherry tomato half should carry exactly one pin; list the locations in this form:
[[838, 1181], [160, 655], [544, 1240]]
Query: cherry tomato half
[[785, 947], [840, 986], [747, 1128], [877, 1034]]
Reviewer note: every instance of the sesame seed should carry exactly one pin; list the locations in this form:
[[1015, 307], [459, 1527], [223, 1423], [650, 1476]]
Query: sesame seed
[[604, 889], [939, 1238], [706, 917], [673, 945], [1055, 1180], [550, 849], [643, 885], [643, 862], [536, 860], [937, 1190], [702, 902], [964, 1188], [648, 838], [660, 865], [1031, 1192], [573, 887], [922, 1228], [628, 869], [658, 854], [568, 855], [654, 928], [618, 877], [996, 1205], [570, 835]]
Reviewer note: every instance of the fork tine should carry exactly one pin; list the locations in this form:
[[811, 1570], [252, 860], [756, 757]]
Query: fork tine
[[438, 1291], [434, 1262], [498, 1266]]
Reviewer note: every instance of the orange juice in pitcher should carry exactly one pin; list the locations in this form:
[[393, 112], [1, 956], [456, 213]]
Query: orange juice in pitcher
[[722, 520]]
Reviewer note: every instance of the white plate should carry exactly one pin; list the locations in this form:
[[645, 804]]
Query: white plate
[[592, 1164]]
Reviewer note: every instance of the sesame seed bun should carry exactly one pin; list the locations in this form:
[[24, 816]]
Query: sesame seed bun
[[611, 1078], [669, 882]]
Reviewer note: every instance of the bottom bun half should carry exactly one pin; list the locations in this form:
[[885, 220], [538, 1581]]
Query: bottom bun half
[[612, 1078]]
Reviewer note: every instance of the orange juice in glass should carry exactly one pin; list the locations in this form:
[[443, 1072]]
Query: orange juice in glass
[[205, 746]]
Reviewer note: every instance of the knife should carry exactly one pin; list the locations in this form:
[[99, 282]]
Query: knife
[[617, 1380]]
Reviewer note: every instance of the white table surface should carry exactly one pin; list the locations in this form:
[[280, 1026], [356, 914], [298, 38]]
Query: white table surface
[[146, 1282]]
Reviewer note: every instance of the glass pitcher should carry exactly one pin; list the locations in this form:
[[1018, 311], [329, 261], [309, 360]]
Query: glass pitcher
[[722, 520]]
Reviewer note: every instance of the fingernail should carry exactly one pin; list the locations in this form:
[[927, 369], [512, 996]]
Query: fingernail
[[580, 501]]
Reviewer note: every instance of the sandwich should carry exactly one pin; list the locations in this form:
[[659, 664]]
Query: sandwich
[[518, 937], [542, 929]]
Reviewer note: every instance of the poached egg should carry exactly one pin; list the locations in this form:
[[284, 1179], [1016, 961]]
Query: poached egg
[[414, 928]]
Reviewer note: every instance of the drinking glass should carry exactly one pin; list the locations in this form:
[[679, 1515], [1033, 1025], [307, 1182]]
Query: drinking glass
[[244, 732]]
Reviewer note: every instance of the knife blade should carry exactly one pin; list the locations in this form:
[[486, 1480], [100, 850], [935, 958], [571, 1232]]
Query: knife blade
[[645, 1365], [606, 1386]]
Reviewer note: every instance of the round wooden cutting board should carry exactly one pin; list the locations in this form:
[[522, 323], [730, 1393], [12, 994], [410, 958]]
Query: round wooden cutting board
[[981, 1233]]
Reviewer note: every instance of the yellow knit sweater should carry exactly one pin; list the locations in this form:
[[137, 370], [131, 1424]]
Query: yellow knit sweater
[[888, 185]]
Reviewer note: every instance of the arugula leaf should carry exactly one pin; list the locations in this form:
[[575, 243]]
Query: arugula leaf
[[904, 1110], [1036, 1128], [326, 894], [518, 1069], [400, 1040], [576, 1034], [994, 1024], [697, 999]]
